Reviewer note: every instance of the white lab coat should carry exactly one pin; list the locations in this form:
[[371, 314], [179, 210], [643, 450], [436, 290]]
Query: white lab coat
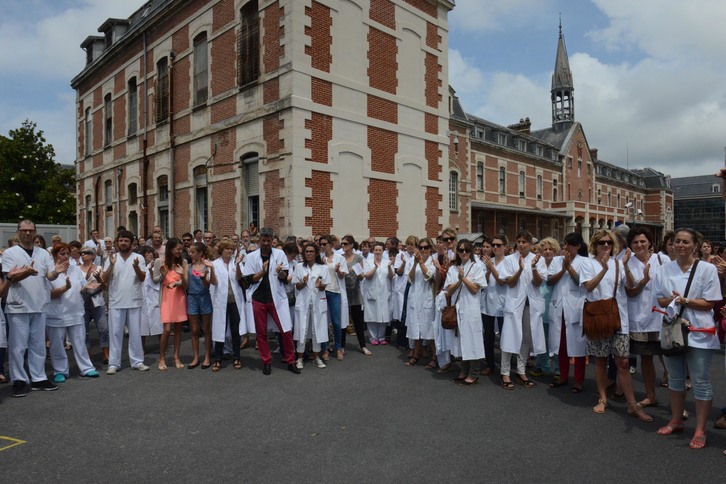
[[469, 344], [420, 310], [517, 296], [640, 308], [606, 287], [66, 310], [398, 283], [277, 287], [219, 292], [567, 298], [311, 294], [150, 311], [377, 293]]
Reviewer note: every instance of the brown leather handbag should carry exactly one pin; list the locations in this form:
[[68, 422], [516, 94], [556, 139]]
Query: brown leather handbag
[[448, 314], [601, 319]]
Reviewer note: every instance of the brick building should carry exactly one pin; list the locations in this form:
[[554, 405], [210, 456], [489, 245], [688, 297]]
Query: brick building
[[308, 116], [503, 179]]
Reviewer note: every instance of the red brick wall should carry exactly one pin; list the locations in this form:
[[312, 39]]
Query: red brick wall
[[182, 215], [180, 39], [119, 118], [273, 33], [431, 123], [433, 83], [223, 198], [224, 109], [426, 7], [321, 221], [271, 90], [224, 156], [321, 41], [223, 63], [379, 108], [222, 14], [384, 146], [433, 212], [182, 86], [433, 39], [273, 200], [382, 65], [382, 207], [321, 132], [383, 12], [433, 155], [322, 91], [271, 127]]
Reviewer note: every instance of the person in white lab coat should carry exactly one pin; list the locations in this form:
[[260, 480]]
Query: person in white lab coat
[[378, 273], [311, 307], [335, 294], [494, 296], [420, 303], [523, 309], [464, 282]]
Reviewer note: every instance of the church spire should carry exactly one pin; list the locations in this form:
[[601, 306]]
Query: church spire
[[563, 100]]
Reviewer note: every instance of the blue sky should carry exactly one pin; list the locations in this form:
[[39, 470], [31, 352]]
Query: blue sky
[[649, 74]]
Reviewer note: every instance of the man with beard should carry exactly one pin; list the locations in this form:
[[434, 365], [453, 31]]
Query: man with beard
[[267, 270], [28, 269], [124, 273]]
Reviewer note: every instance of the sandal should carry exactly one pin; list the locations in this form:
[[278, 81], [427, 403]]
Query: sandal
[[664, 381], [412, 361], [217, 366], [600, 407], [525, 383], [432, 365], [576, 388], [671, 428], [507, 385], [445, 369], [558, 383], [237, 364], [178, 364], [699, 440], [634, 410], [647, 402]]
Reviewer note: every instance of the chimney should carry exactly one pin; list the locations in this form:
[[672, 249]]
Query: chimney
[[593, 154], [523, 126]]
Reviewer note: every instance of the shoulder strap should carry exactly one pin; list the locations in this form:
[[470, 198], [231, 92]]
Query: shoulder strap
[[617, 276], [688, 286], [460, 286]]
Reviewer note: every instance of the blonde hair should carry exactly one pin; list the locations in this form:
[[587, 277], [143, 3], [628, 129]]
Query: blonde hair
[[551, 242], [599, 235]]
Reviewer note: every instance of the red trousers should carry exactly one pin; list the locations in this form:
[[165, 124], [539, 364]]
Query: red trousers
[[565, 360], [261, 310]]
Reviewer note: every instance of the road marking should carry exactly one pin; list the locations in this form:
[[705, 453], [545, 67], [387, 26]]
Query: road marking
[[13, 443]]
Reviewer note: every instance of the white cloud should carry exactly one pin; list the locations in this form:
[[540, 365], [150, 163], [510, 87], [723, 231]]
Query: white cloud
[[464, 76], [481, 16]]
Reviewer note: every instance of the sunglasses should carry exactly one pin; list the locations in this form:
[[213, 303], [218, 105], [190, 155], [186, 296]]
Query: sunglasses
[[448, 239], [424, 247], [86, 253], [497, 245], [604, 242], [323, 243], [463, 250], [345, 243]]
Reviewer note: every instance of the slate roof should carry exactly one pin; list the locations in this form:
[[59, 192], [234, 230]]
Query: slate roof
[[696, 186]]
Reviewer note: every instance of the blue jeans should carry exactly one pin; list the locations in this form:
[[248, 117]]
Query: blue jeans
[[698, 361], [543, 360], [334, 309]]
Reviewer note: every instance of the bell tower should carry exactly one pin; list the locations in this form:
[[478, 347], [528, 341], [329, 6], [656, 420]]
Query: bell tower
[[563, 100]]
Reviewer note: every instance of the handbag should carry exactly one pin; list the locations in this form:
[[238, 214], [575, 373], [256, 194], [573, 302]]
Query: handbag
[[448, 314], [601, 319], [674, 331]]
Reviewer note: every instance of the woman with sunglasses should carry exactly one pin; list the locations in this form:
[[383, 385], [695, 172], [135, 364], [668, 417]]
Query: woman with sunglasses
[[420, 308], [598, 277], [311, 307], [335, 294], [464, 282], [495, 296], [353, 292], [523, 272], [565, 331], [94, 305], [698, 306]]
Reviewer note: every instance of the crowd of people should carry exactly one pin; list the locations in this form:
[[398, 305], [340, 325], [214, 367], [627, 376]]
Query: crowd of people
[[236, 291]]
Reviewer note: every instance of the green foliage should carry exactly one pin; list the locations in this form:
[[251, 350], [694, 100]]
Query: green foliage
[[32, 184]]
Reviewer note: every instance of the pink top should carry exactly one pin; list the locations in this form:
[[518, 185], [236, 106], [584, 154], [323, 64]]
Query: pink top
[[173, 301]]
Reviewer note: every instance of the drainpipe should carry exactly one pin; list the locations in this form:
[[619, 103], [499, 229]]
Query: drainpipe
[[97, 190], [172, 144], [144, 165], [119, 174]]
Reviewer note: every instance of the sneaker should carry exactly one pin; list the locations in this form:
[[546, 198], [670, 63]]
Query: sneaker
[[319, 363], [374, 342], [91, 374], [141, 367], [111, 370], [299, 363], [20, 389], [43, 385], [59, 378], [293, 369]]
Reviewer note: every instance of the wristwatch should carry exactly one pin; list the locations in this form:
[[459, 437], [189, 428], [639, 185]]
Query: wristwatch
[[685, 300]]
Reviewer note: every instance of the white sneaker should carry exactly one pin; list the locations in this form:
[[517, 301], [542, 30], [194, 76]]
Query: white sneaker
[[319, 363], [299, 363], [111, 370], [141, 367]]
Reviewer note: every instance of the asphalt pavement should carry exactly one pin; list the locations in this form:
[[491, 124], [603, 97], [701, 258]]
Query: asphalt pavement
[[365, 419]]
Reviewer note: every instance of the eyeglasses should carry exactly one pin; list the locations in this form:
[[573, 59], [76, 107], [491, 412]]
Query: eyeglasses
[[448, 239], [86, 253], [186, 240], [497, 245], [463, 250], [345, 243], [424, 247], [323, 243], [604, 242]]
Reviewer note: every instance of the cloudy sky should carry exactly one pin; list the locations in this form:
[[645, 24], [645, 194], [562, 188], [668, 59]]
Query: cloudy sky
[[649, 75]]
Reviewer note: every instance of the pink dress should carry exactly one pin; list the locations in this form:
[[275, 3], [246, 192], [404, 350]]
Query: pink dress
[[173, 301]]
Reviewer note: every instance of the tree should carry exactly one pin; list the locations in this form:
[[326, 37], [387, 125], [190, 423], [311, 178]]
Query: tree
[[32, 184]]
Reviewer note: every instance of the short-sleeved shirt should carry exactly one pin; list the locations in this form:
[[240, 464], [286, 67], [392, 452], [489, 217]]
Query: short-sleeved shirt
[[125, 291], [32, 293]]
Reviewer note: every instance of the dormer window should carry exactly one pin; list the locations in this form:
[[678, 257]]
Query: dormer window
[[502, 139]]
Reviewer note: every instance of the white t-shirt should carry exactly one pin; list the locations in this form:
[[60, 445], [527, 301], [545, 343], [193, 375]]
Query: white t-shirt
[[32, 293], [125, 289]]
